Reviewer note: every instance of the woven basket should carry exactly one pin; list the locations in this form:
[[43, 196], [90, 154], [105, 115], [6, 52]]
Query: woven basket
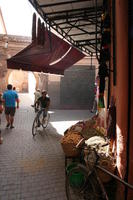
[[70, 150]]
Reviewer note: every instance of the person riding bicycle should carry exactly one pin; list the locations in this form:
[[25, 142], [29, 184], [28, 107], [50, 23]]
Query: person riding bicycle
[[42, 117], [43, 102]]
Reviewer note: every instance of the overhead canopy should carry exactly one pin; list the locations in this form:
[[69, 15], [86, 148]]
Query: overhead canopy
[[78, 21], [54, 56]]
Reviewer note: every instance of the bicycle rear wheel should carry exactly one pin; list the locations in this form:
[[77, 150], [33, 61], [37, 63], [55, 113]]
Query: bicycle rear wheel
[[44, 119]]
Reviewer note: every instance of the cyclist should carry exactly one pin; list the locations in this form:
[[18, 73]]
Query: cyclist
[[43, 102]]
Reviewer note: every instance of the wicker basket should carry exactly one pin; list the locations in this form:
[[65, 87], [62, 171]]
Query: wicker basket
[[70, 150]]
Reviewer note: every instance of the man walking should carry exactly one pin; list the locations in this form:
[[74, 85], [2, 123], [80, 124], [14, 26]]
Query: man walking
[[10, 98], [37, 95]]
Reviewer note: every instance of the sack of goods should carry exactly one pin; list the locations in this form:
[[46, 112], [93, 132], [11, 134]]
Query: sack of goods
[[69, 142], [105, 159], [78, 127], [91, 129]]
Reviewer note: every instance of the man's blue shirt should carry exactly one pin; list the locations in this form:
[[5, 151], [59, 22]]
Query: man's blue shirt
[[10, 98]]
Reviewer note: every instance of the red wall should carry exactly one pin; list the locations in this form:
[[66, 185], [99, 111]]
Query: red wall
[[120, 91], [130, 177]]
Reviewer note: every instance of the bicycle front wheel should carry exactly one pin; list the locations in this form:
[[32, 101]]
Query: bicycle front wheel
[[75, 183], [35, 126], [92, 190], [80, 186]]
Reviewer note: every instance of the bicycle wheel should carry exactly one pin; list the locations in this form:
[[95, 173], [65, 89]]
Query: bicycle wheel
[[35, 126], [44, 119], [75, 183], [93, 190]]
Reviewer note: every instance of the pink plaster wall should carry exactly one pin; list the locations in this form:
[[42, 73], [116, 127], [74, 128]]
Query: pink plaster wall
[[120, 91], [130, 177], [122, 81]]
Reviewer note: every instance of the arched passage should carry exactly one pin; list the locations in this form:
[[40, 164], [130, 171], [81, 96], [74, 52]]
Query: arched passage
[[25, 82], [19, 79]]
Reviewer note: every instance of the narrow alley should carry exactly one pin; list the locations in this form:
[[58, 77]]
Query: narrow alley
[[34, 168]]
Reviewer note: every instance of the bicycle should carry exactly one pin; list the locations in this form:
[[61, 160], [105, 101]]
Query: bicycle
[[82, 181], [41, 120]]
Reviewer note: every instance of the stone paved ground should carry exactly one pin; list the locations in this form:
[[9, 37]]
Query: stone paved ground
[[33, 169]]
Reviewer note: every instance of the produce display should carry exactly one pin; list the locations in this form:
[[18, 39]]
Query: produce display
[[92, 135], [78, 127], [105, 158], [69, 142], [71, 138]]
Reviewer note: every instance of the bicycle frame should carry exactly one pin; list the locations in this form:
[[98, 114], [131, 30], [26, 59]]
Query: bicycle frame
[[115, 177]]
